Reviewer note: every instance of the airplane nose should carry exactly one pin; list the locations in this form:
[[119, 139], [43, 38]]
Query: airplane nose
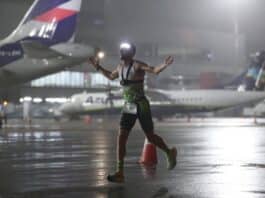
[[65, 108]]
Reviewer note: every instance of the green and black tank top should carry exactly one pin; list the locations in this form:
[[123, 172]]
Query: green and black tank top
[[133, 90]]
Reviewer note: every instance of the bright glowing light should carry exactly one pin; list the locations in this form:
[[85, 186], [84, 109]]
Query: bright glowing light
[[27, 99], [56, 100], [101, 55], [125, 45], [5, 103], [37, 100]]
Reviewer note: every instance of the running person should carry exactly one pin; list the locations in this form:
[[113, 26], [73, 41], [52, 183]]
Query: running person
[[131, 73], [260, 82]]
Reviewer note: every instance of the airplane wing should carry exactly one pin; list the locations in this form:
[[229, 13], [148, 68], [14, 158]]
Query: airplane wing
[[36, 50], [157, 96]]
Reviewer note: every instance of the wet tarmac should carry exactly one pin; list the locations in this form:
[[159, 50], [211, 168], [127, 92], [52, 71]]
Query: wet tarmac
[[217, 158]]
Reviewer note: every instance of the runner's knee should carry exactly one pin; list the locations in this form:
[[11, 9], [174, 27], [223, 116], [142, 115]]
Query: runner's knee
[[151, 137], [123, 134]]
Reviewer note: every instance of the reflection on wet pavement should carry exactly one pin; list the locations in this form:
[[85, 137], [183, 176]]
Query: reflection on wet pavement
[[214, 161]]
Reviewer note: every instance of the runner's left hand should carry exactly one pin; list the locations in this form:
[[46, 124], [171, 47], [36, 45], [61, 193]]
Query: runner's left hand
[[169, 60]]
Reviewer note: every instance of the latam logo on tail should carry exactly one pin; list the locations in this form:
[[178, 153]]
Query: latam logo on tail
[[48, 22], [43, 43]]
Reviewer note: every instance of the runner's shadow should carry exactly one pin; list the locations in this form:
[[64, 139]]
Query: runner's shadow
[[115, 192], [161, 192]]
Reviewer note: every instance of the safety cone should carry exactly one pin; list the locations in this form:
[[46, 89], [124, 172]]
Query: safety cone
[[149, 155]]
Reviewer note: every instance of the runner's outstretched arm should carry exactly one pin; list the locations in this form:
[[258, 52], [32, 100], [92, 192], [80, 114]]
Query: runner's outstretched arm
[[158, 69], [111, 75]]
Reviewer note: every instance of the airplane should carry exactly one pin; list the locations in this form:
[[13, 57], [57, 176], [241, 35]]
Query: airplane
[[163, 102], [169, 102], [43, 43]]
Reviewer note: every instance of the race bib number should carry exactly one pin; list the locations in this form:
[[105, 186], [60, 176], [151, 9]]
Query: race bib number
[[130, 108]]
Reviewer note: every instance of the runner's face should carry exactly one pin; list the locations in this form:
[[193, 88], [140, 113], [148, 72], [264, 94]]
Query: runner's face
[[126, 56]]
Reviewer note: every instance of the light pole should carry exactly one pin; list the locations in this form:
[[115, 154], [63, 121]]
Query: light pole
[[234, 5], [236, 33]]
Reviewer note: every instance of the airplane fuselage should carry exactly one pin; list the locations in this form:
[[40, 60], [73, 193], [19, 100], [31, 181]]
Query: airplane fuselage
[[16, 67], [187, 101]]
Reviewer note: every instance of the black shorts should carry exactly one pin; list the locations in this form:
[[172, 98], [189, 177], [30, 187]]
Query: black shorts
[[143, 113]]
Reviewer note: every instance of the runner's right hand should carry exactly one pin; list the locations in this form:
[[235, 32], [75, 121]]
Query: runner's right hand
[[93, 61]]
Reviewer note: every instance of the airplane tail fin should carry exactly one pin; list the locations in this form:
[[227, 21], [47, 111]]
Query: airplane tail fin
[[238, 79], [49, 22], [244, 83], [235, 82]]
